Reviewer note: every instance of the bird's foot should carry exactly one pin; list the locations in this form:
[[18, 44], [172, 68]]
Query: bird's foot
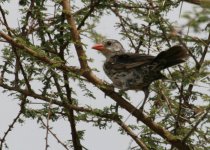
[[116, 108], [141, 109], [111, 87]]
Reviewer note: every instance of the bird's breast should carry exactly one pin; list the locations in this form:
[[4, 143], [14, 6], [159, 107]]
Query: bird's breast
[[125, 79]]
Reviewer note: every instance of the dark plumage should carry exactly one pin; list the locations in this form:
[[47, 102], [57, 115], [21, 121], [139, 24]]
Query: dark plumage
[[129, 71]]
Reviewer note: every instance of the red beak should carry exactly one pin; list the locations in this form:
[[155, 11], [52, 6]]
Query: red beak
[[99, 47]]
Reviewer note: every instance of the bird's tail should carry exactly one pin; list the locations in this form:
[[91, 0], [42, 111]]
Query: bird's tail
[[173, 56]]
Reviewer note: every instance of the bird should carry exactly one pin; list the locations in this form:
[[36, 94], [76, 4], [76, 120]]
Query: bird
[[134, 71]]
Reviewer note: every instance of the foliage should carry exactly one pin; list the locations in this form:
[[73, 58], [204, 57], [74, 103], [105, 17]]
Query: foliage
[[45, 62]]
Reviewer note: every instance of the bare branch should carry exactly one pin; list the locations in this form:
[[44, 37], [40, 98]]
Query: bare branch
[[11, 126], [133, 135], [197, 2], [54, 135]]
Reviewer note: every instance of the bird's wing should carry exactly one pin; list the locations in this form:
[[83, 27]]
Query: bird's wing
[[128, 61]]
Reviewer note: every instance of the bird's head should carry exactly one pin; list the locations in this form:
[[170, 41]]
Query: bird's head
[[109, 47]]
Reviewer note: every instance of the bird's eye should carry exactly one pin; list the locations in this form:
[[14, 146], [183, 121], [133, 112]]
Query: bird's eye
[[108, 43]]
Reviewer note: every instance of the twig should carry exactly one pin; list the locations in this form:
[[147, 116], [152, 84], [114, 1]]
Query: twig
[[47, 126], [91, 10], [198, 66], [168, 103], [132, 134], [115, 11], [28, 14], [195, 126], [2, 140], [54, 135], [19, 65]]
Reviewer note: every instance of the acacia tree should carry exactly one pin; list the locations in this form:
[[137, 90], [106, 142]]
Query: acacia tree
[[37, 58]]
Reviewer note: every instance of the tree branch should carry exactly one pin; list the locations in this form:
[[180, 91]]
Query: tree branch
[[2, 140], [175, 141], [41, 57], [54, 135], [133, 135], [197, 2], [15, 51], [91, 10], [75, 34], [198, 67]]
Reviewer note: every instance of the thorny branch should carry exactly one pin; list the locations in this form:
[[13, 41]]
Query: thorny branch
[[54, 135], [19, 65], [93, 4], [47, 125], [133, 135], [86, 74], [195, 126], [198, 67], [11, 126]]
